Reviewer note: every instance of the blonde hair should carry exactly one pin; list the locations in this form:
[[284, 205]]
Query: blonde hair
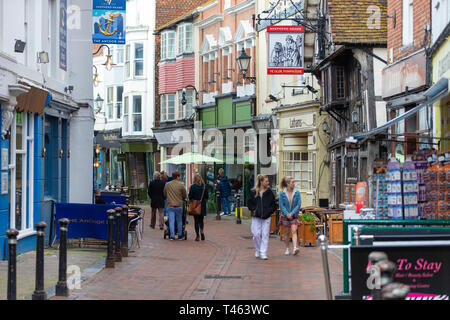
[[285, 182], [221, 171], [259, 179], [198, 179]]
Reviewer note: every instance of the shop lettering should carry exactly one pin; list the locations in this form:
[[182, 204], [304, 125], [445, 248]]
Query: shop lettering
[[420, 265]]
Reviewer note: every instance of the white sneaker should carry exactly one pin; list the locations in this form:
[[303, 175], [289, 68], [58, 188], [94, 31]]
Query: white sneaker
[[296, 250], [287, 252], [264, 257], [257, 255]]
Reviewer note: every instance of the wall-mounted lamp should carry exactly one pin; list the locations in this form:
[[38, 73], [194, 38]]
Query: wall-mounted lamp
[[61, 152], [243, 62], [273, 98], [42, 57], [68, 89], [19, 46], [109, 63], [227, 77], [355, 116], [97, 163], [98, 103], [97, 149], [96, 77]]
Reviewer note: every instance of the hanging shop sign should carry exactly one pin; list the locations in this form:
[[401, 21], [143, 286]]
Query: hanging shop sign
[[109, 21], [63, 35], [285, 49], [425, 269]]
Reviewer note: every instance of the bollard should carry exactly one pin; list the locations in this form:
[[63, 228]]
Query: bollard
[[39, 293], [238, 200], [323, 244], [61, 287], [395, 291], [374, 258], [117, 250], [110, 255], [124, 246], [217, 200], [12, 264], [356, 234]]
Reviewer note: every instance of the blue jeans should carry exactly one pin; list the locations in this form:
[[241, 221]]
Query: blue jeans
[[175, 214], [226, 205]]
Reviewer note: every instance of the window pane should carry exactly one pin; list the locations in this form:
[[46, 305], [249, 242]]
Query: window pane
[[119, 54], [125, 123], [125, 108], [137, 104], [163, 108], [119, 94], [138, 51], [139, 68], [137, 122], [171, 107], [188, 41], [171, 45]]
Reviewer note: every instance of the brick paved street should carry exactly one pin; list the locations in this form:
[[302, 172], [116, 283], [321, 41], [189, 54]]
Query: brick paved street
[[221, 268]]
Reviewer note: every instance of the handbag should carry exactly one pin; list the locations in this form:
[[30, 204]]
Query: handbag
[[195, 206]]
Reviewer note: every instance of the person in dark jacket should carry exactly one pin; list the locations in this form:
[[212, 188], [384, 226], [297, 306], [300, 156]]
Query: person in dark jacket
[[196, 191], [98, 197], [224, 188], [262, 204], [156, 194]]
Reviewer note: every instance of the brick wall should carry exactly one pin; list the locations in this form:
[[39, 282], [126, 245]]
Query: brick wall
[[421, 16], [167, 11]]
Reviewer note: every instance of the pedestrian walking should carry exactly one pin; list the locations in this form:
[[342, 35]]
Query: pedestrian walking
[[175, 194], [198, 191], [224, 188], [290, 203], [262, 204], [156, 194]]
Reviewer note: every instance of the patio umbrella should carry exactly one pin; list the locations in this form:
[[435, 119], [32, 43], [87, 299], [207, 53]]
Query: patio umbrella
[[191, 157]]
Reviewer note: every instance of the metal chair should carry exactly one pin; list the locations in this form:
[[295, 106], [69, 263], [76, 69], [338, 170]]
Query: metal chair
[[135, 227]]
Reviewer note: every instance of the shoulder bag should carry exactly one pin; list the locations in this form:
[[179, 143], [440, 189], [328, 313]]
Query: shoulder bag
[[195, 206]]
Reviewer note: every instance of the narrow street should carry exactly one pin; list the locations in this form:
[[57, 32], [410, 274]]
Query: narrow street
[[221, 268]]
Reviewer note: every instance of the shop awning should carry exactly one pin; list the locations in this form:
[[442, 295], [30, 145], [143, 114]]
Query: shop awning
[[437, 91], [34, 101]]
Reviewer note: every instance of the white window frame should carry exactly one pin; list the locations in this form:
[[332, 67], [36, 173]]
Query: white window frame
[[110, 102], [118, 103], [27, 152], [165, 99], [408, 23], [133, 113], [127, 69], [185, 46], [126, 112], [119, 52], [166, 43], [296, 166], [140, 59]]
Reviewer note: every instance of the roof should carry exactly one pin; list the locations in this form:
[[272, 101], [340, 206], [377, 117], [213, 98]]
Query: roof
[[358, 22]]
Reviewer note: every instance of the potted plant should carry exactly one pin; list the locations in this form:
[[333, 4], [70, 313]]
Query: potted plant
[[308, 228]]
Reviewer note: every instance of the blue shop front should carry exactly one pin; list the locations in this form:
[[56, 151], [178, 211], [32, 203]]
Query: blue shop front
[[34, 165]]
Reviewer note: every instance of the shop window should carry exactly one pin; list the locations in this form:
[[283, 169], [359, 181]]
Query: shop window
[[137, 170], [299, 166]]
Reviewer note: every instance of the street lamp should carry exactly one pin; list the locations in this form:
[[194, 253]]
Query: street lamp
[[99, 103], [243, 62]]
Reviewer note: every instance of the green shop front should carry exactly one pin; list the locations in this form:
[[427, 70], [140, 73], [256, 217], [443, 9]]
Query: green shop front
[[139, 164], [232, 114]]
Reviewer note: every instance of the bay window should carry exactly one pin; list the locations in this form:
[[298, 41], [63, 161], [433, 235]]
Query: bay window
[[168, 107], [185, 44], [168, 46]]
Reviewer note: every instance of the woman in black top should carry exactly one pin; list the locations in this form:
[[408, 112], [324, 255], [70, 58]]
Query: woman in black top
[[262, 204], [198, 190], [156, 194]]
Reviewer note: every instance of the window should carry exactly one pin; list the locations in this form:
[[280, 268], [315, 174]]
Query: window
[[340, 82], [119, 54], [299, 166], [125, 113], [185, 39], [168, 107], [138, 59], [110, 102], [168, 45], [137, 113], [127, 61], [119, 94], [408, 22], [21, 172]]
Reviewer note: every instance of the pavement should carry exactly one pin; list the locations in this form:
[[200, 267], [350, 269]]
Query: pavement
[[221, 268]]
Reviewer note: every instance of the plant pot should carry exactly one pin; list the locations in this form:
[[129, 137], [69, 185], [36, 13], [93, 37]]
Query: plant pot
[[307, 236]]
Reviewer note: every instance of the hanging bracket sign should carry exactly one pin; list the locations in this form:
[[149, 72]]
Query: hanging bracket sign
[[285, 49], [109, 21]]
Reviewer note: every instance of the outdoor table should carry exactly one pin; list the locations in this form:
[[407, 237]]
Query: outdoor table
[[323, 215]]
